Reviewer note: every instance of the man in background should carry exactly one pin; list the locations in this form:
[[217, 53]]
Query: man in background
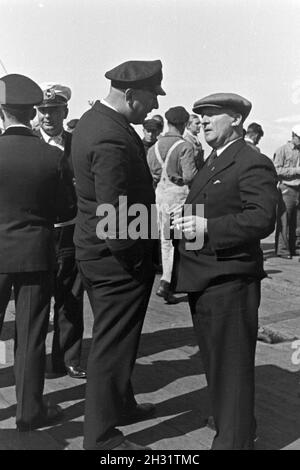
[[253, 135], [151, 130], [160, 119], [172, 165], [68, 289], [287, 164], [191, 133]]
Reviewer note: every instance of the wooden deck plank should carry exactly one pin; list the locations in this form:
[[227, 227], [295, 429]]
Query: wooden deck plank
[[169, 373]]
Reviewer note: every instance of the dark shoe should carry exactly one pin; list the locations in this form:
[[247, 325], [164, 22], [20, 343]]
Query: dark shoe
[[164, 289], [139, 413], [73, 371], [128, 445], [51, 415], [76, 372], [165, 292], [170, 298]]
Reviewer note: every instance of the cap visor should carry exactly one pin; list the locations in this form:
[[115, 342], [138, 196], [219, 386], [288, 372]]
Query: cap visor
[[51, 105], [160, 91], [201, 106]]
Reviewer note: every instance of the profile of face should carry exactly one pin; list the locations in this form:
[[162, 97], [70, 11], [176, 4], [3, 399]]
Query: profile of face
[[141, 103], [195, 126], [256, 138], [219, 125], [150, 135], [51, 119]]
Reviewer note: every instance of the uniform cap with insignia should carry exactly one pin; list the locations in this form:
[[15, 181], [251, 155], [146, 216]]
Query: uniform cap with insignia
[[224, 100], [138, 74], [18, 90], [55, 94]]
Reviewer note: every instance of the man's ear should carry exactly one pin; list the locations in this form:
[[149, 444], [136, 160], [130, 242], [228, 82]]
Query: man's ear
[[32, 114], [66, 112], [129, 96], [238, 119]]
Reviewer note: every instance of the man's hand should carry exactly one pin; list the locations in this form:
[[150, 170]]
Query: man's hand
[[191, 225]]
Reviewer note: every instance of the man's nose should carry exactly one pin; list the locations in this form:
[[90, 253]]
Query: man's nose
[[155, 103], [204, 120]]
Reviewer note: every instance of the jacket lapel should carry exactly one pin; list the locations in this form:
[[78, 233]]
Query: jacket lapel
[[226, 159]]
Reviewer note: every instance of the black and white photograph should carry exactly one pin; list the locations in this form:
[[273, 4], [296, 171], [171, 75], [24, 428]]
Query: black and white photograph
[[149, 228]]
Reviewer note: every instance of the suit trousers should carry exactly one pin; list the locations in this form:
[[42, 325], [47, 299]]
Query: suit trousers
[[32, 292], [225, 318], [68, 314], [119, 302], [68, 306]]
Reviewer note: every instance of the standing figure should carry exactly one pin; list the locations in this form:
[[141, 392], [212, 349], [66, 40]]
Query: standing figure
[[112, 182], [68, 288], [253, 135], [219, 262], [151, 130], [287, 164], [34, 194], [191, 135], [172, 165]]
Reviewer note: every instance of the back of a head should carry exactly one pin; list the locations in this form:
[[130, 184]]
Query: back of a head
[[177, 115], [159, 119], [255, 128], [18, 95]]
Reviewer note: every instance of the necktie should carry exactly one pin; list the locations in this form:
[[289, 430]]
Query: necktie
[[211, 158]]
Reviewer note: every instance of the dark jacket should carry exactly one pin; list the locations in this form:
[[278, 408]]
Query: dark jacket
[[109, 161], [64, 235], [33, 196], [239, 196]]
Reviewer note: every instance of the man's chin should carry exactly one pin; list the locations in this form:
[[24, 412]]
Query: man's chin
[[209, 138], [49, 130]]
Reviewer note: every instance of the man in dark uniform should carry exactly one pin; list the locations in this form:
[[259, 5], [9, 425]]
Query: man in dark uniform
[[237, 189], [68, 289], [111, 171], [34, 194]]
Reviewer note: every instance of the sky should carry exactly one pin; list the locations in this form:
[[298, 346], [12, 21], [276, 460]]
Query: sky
[[249, 47]]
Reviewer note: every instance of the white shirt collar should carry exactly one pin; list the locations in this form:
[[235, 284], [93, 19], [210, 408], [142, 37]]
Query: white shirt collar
[[56, 140], [221, 149], [18, 125], [103, 101]]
